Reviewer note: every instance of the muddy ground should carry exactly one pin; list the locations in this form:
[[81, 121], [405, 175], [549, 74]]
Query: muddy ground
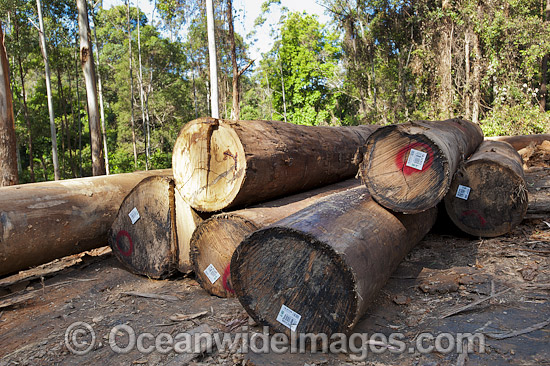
[[444, 272]]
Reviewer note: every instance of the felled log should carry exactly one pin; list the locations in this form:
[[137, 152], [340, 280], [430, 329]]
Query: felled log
[[219, 164], [488, 195], [538, 187], [45, 221], [317, 270], [519, 142], [215, 239], [150, 235], [409, 167]]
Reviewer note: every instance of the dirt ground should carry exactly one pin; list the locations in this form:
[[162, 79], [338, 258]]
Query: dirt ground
[[449, 283]]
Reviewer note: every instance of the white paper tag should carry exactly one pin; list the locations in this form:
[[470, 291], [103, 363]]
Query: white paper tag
[[134, 215], [416, 159], [289, 318], [463, 192], [212, 273]]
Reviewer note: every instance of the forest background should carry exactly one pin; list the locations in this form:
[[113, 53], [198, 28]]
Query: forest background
[[377, 61]]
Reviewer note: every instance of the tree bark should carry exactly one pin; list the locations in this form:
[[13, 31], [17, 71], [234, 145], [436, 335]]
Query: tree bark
[[538, 186], [219, 164], [144, 116], [445, 64], [100, 92], [44, 50], [327, 262], [131, 84], [215, 239], [213, 60], [88, 68], [521, 141], [235, 110], [544, 68], [409, 167], [8, 144], [476, 77], [49, 220], [488, 195]]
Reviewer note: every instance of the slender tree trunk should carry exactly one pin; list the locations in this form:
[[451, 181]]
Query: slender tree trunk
[[544, 69], [48, 90], [282, 85], [73, 166], [476, 78], [467, 69], [88, 68], [235, 110], [195, 95], [213, 60], [100, 91], [78, 112], [63, 120], [142, 98], [131, 84], [24, 97], [8, 144], [445, 64]]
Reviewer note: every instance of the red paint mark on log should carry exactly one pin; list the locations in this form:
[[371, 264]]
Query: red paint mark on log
[[225, 279], [475, 213], [128, 252], [403, 154]]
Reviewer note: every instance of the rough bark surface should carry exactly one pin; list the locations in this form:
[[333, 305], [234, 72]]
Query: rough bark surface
[[519, 142], [45, 221], [488, 195], [8, 146], [143, 235], [326, 262], [215, 239], [401, 183], [538, 186], [219, 164]]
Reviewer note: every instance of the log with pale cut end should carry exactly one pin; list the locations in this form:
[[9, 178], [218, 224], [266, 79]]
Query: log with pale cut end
[[41, 222], [488, 195], [143, 235], [319, 269], [219, 164], [215, 239], [151, 232], [409, 167]]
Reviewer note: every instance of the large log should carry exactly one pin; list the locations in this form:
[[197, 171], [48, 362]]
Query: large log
[[488, 195], [45, 221], [219, 164], [538, 187], [519, 142], [325, 263], [150, 235], [409, 167], [215, 239]]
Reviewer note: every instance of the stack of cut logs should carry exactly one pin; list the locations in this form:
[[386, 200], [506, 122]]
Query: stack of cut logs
[[290, 232], [274, 214]]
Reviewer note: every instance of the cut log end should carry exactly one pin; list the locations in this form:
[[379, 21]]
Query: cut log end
[[209, 161], [142, 236], [404, 171], [320, 286], [212, 246], [487, 199]]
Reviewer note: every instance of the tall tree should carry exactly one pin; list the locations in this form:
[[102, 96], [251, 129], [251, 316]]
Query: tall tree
[[44, 50], [88, 68], [544, 67], [8, 145], [131, 83], [144, 112]]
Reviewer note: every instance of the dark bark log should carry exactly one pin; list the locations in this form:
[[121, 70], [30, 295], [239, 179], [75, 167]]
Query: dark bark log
[[8, 145], [538, 186], [326, 262], [488, 195], [409, 167], [519, 142], [215, 239], [45, 221], [143, 235], [219, 164]]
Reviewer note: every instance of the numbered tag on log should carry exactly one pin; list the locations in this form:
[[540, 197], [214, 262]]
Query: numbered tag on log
[[463, 192], [416, 159], [212, 273], [289, 318], [134, 215]]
